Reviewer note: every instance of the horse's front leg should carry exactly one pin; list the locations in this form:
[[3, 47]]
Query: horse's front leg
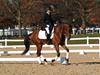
[[58, 53], [67, 53], [40, 58]]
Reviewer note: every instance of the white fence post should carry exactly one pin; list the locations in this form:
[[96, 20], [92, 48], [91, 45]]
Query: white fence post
[[87, 40], [5, 42], [74, 29], [99, 47]]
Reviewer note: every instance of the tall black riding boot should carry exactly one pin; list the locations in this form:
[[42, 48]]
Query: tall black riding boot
[[48, 39]]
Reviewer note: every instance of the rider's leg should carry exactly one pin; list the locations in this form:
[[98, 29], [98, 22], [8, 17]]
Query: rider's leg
[[49, 35], [47, 29], [48, 38]]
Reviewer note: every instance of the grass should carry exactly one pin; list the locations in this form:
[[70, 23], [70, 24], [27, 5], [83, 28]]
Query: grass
[[77, 42], [13, 43], [83, 41], [86, 35], [95, 41]]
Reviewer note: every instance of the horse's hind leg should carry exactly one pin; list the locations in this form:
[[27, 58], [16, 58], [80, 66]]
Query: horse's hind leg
[[26, 49], [27, 44], [39, 56], [67, 53]]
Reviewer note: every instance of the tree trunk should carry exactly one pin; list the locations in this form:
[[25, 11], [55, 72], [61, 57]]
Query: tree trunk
[[19, 22], [83, 26], [83, 23], [3, 32]]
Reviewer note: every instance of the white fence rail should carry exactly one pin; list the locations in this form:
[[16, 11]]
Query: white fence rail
[[92, 30], [85, 38], [49, 51], [15, 31], [78, 45], [5, 45]]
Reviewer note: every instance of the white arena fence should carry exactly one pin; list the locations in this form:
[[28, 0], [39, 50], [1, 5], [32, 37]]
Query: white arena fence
[[48, 51], [15, 32], [86, 30]]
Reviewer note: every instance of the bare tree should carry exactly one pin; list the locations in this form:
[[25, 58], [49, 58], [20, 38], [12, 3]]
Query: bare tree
[[81, 9], [26, 11], [23, 11]]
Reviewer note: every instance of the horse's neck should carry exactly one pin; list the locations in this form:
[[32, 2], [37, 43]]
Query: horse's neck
[[58, 30], [64, 29]]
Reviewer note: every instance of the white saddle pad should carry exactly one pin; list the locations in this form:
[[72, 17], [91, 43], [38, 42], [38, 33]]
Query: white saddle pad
[[42, 35]]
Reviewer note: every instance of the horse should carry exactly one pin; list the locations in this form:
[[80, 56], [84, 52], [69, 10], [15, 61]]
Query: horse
[[61, 31]]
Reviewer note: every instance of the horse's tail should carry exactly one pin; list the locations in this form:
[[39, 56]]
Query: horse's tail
[[27, 44]]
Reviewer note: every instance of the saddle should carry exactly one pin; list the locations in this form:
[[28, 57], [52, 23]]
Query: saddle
[[43, 33]]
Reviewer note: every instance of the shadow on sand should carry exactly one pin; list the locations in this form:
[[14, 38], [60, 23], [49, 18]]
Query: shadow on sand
[[85, 63], [90, 63]]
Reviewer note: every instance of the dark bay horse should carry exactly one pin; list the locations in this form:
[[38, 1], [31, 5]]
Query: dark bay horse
[[61, 31]]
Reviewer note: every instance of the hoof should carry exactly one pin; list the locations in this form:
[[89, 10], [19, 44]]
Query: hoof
[[53, 60], [45, 61]]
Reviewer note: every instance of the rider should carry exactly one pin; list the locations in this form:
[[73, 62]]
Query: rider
[[48, 22]]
